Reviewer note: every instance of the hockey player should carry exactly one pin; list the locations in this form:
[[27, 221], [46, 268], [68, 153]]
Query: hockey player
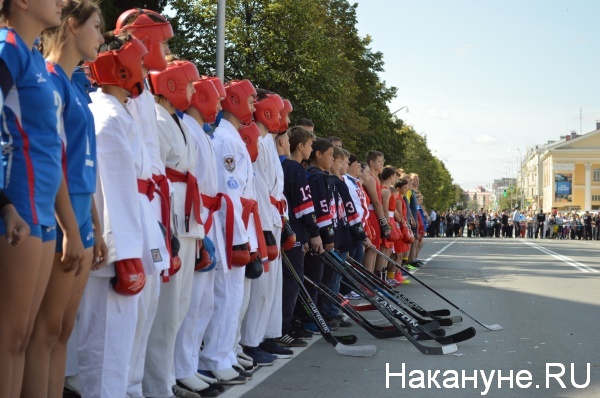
[[293, 151]]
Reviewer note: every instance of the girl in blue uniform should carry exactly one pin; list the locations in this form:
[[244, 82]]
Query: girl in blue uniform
[[77, 38], [31, 150]]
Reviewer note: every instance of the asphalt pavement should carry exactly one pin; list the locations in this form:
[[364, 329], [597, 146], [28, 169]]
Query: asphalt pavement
[[544, 293]]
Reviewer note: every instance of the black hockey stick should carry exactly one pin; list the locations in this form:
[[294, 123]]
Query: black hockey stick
[[434, 314], [388, 293], [311, 309], [489, 327], [423, 330], [428, 350]]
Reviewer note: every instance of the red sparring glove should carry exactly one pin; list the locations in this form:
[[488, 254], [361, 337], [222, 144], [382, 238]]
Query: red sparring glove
[[410, 237], [130, 277], [288, 237], [272, 248], [395, 235], [370, 231], [240, 255], [175, 260], [203, 259]]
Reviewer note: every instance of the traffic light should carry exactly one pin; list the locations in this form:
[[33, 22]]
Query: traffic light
[[505, 193]]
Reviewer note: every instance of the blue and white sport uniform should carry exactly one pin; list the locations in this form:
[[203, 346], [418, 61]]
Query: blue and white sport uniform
[[79, 152], [31, 146]]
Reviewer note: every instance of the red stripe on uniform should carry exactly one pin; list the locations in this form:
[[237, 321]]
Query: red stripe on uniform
[[303, 206], [30, 173], [11, 38]]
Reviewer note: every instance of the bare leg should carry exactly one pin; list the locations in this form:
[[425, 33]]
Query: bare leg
[[40, 272], [369, 260]]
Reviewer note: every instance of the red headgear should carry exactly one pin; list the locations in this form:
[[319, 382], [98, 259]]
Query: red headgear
[[268, 110], [122, 67], [218, 85], [250, 134], [150, 32], [172, 82], [206, 99], [283, 123], [236, 101]]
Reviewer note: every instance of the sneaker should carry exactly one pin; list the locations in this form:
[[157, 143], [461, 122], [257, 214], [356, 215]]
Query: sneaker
[[300, 333], [288, 341], [179, 392], [332, 322], [262, 358], [242, 372], [352, 296], [410, 267], [271, 347], [343, 322], [72, 384], [248, 365], [392, 282], [311, 327], [225, 377]]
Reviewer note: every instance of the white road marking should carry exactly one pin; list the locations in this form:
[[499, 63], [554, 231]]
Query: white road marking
[[439, 252], [575, 264]]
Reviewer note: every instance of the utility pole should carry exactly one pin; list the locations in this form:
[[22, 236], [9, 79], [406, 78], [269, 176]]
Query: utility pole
[[221, 40]]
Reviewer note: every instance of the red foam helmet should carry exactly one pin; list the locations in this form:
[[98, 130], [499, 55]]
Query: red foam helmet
[[150, 32], [206, 99], [268, 111], [236, 101], [122, 67], [285, 112], [250, 134], [172, 82], [218, 85]]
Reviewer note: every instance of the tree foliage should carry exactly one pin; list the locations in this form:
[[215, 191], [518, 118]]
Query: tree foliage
[[111, 9], [310, 52]]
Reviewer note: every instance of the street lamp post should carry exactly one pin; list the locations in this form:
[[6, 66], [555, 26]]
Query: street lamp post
[[221, 40], [521, 184]]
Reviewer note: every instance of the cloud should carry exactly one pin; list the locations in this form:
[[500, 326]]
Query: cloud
[[463, 49], [440, 114], [485, 139]]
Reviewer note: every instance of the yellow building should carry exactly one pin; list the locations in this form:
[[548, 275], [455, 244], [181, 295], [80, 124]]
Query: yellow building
[[563, 175]]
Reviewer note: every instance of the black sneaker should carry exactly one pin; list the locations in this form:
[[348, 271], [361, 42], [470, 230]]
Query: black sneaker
[[332, 322], [242, 372], [343, 322], [297, 331], [270, 346], [290, 341]]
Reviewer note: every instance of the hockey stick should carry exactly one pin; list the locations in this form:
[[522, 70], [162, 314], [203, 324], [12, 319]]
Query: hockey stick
[[311, 309], [388, 294], [424, 331], [489, 327], [428, 350], [433, 314], [377, 331]]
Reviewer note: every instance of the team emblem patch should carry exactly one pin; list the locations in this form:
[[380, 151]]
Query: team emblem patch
[[156, 257], [229, 163], [232, 183]]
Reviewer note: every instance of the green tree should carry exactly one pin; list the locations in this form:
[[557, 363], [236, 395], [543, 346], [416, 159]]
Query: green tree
[[111, 9]]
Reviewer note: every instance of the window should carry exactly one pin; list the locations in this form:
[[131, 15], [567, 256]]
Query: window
[[596, 177], [595, 198]]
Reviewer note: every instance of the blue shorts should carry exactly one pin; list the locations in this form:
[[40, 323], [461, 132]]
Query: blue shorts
[[82, 207], [44, 232]]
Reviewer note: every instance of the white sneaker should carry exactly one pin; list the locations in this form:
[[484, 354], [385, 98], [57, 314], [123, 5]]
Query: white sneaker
[[205, 379], [72, 383]]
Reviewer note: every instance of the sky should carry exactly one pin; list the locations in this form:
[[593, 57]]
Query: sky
[[487, 79]]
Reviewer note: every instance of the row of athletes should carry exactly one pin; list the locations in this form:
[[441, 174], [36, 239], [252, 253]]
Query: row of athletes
[[133, 181]]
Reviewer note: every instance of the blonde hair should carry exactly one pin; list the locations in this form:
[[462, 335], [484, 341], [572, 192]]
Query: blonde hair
[[53, 39]]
